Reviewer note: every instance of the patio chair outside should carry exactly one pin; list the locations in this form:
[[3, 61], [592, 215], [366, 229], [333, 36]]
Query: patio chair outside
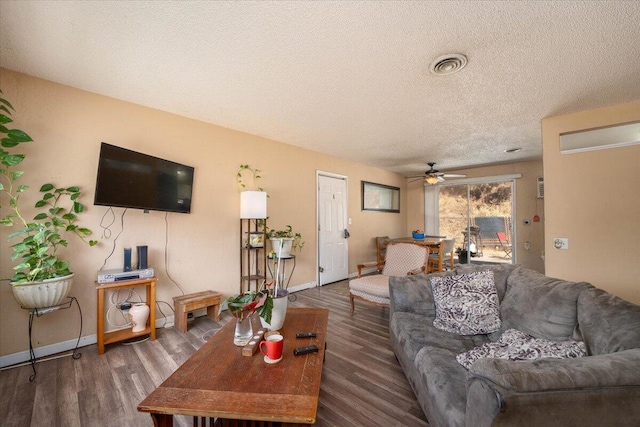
[[504, 244]]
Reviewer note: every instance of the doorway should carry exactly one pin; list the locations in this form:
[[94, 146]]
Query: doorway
[[333, 249], [479, 216]]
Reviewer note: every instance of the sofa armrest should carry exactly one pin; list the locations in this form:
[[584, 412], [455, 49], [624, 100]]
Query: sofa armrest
[[583, 391], [411, 294]]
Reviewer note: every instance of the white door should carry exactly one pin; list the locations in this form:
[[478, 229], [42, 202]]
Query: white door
[[333, 254]]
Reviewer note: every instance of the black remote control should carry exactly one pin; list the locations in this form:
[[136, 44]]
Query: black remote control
[[304, 350], [306, 335]]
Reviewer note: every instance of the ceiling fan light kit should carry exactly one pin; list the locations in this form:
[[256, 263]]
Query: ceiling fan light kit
[[431, 179], [434, 176]]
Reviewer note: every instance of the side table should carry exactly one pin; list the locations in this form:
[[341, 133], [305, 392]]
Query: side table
[[283, 279], [37, 312], [125, 334]]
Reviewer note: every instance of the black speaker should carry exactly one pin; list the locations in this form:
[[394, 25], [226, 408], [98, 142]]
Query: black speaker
[[127, 259], [142, 257]]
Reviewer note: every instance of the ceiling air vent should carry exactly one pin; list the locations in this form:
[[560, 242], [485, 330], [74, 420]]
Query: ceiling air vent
[[448, 64]]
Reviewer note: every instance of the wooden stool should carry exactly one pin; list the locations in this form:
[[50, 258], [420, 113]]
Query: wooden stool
[[185, 303]]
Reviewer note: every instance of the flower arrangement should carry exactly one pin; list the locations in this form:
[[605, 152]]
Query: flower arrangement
[[244, 305]]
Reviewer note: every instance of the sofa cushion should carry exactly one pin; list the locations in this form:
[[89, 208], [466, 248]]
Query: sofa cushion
[[516, 345], [500, 274], [607, 323], [539, 305], [413, 331], [414, 294], [466, 304]]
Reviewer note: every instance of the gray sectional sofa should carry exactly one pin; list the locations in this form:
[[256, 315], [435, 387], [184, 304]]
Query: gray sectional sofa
[[600, 389]]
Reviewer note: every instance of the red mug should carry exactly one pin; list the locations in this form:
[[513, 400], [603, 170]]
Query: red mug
[[272, 346]]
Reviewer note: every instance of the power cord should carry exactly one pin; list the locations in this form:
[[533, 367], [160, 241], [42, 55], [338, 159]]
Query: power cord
[[121, 304], [166, 252], [106, 231]]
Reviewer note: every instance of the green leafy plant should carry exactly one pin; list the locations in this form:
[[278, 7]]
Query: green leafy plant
[[251, 172], [246, 304], [298, 243], [40, 238]]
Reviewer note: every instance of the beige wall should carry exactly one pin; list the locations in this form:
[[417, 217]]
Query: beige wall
[[593, 199], [527, 205], [68, 125]]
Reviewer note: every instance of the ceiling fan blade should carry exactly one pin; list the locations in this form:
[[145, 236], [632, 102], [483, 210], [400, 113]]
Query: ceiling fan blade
[[415, 178], [454, 175]]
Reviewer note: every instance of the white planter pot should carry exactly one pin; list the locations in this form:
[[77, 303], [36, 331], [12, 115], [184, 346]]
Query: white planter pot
[[287, 243], [43, 294], [278, 313]]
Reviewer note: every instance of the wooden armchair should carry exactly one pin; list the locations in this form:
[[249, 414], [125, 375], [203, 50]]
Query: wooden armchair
[[401, 259], [441, 256], [381, 248]]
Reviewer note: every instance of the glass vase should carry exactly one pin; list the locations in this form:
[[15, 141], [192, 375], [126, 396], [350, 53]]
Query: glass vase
[[244, 331]]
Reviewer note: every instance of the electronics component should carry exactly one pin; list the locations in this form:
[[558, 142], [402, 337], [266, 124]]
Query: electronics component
[[306, 335], [304, 350], [117, 275]]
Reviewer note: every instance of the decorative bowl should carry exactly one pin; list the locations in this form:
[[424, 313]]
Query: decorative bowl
[[418, 235]]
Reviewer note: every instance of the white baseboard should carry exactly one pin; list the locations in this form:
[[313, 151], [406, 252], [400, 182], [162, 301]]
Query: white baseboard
[[303, 286], [48, 350]]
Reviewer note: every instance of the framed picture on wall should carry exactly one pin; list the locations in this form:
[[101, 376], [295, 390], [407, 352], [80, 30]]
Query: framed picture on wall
[[380, 197]]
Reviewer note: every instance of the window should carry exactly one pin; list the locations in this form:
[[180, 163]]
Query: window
[[477, 213]]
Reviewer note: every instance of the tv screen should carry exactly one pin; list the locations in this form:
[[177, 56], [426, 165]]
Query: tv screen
[[130, 179]]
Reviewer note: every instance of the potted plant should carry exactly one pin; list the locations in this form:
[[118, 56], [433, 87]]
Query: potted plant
[[462, 255], [283, 242], [242, 306], [41, 279]]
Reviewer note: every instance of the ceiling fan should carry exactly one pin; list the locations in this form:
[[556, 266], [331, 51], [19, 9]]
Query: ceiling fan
[[433, 176]]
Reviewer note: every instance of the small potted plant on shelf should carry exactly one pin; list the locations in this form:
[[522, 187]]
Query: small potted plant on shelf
[[41, 279], [283, 242]]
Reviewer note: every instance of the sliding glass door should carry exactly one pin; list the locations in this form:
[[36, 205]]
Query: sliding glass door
[[479, 217]]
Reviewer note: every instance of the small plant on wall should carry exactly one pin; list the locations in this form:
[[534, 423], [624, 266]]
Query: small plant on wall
[[247, 178]]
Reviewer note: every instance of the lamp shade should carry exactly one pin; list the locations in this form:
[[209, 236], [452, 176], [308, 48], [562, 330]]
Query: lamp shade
[[253, 204], [431, 180]]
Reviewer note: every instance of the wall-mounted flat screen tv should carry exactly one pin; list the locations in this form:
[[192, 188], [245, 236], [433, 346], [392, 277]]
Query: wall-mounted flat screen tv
[[130, 179]]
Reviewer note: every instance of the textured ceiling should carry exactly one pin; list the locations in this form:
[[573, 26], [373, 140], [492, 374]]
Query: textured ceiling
[[350, 79]]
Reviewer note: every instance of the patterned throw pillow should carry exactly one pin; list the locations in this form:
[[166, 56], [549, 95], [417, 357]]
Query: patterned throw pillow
[[466, 304], [516, 345]]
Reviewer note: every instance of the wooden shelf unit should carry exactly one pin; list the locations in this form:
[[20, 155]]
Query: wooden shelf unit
[[125, 334], [253, 259]]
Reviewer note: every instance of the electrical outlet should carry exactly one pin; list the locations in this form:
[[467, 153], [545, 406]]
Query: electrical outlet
[[527, 246], [561, 243]]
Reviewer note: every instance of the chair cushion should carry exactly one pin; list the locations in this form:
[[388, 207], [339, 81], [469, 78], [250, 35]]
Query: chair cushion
[[466, 304], [376, 285], [403, 258]]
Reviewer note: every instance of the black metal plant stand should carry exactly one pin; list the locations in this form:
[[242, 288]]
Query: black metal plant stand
[[37, 312]]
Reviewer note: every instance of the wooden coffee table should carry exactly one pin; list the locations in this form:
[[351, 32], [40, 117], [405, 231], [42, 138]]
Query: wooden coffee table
[[218, 382]]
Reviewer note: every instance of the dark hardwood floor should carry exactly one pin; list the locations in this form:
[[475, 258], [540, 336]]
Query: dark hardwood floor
[[362, 382]]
